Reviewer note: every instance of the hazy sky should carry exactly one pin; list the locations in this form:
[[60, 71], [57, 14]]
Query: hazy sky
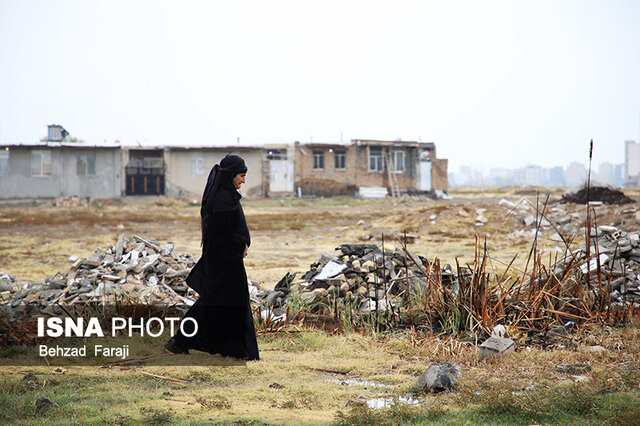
[[492, 83]]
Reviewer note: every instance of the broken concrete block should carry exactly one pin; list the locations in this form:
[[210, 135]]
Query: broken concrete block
[[592, 265], [496, 345], [506, 203]]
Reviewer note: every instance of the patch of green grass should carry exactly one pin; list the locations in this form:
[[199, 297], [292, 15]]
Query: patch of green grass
[[549, 406]]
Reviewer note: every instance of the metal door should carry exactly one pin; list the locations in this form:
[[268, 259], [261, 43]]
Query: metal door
[[425, 176], [281, 176]]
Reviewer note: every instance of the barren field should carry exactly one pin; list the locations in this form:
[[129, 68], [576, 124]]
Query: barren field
[[287, 235], [310, 376]]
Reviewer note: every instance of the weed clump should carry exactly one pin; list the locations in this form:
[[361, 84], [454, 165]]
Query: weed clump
[[157, 416], [214, 402]]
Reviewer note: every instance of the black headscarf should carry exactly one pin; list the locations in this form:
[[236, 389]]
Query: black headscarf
[[221, 175]]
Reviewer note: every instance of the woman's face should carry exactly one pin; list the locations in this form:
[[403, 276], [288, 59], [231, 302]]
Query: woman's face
[[238, 180]]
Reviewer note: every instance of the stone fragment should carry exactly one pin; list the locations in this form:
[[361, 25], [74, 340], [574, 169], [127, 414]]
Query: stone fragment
[[529, 220], [595, 349], [43, 404], [506, 203], [440, 377], [495, 346], [573, 368]]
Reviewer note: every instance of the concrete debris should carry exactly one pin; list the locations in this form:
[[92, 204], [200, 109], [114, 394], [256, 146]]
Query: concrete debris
[[494, 346], [361, 276], [614, 255], [136, 270], [574, 369], [595, 349]]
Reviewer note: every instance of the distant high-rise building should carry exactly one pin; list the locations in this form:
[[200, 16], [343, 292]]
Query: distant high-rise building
[[533, 175], [631, 163], [501, 177], [619, 174], [452, 179], [556, 176], [468, 176], [575, 174], [606, 173]]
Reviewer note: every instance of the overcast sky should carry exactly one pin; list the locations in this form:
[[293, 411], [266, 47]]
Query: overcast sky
[[492, 83]]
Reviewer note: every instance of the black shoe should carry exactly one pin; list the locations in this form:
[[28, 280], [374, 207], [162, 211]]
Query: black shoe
[[172, 346]]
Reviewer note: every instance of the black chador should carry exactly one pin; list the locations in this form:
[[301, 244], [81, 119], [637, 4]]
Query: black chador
[[223, 310]]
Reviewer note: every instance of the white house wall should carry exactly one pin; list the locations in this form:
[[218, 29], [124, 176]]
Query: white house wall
[[104, 184], [181, 181], [63, 181]]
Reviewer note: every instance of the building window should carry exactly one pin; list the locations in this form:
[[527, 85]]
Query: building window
[[4, 162], [340, 160], [40, 163], [375, 159], [318, 160], [86, 164], [151, 165], [197, 164], [398, 161]]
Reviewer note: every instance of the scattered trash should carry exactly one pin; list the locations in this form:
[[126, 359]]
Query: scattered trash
[[377, 403]]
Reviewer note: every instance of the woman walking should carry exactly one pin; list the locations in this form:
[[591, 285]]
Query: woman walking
[[223, 310]]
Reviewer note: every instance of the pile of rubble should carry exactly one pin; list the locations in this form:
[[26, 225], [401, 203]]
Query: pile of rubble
[[364, 277], [361, 278], [559, 220], [360, 275], [617, 254], [599, 281], [136, 271], [556, 223]]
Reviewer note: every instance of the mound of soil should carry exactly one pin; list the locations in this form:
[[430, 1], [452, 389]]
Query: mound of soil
[[597, 193]]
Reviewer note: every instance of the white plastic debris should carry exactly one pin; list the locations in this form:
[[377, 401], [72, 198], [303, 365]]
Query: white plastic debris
[[499, 331], [330, 270]]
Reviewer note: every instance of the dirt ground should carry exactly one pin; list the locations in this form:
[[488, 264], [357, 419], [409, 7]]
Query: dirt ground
[[288, 235]]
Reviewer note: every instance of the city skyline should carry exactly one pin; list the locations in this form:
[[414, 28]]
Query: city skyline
[[573, 174]]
